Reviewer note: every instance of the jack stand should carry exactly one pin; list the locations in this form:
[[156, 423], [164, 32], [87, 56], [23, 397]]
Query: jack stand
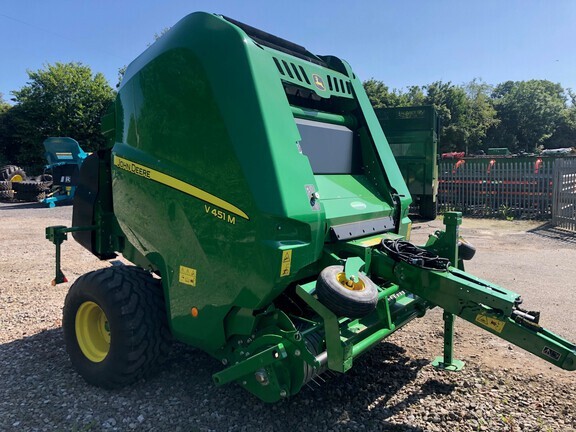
[[452, 220], [57, 235], [447, 362]]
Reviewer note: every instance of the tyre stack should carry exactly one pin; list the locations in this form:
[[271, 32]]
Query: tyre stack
[[30, 191], [16, 186], [33, 190], [6, 191], [9, 176]]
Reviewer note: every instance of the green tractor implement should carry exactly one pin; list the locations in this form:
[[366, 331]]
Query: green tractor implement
[[250, 184]]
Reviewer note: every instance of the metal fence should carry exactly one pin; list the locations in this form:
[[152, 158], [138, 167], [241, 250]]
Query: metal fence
[[519, 188], [564, 194]]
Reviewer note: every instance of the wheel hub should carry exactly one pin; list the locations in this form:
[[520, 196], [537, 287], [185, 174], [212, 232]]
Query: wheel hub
[[352, 283], [92, 331]]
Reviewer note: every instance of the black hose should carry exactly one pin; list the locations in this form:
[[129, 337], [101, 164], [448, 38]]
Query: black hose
[[401, 250]]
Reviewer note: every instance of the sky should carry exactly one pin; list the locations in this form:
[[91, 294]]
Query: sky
[[399, 42]]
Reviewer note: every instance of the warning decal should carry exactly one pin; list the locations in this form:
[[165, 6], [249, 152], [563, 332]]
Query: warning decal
[[549, 352], [187, 276], [491, 323], [286, 262], [372, 242]]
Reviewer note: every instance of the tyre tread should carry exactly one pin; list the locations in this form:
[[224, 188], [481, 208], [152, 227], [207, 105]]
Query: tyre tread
[[138, 299], [7, 172], [353, 304]]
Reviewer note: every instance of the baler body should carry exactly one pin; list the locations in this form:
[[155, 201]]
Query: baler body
[[213, 171]]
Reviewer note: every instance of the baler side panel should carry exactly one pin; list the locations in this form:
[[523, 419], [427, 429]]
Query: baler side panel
[[183, 113]]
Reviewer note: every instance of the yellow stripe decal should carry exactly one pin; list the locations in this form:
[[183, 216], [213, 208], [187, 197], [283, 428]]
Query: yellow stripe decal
[[143, 171]]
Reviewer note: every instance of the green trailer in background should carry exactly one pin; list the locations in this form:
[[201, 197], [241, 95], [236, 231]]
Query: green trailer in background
[[413, 134]]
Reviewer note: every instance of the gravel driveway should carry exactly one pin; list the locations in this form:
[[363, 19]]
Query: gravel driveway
[[391, 388]]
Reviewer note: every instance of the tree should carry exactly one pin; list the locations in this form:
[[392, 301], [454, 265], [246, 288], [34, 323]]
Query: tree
[[530, 112], [451, 104], [465, 111], [379, 94], [565, 133], [60, 100], [4, 106], [520, 115], [480, 114], [381, 97]]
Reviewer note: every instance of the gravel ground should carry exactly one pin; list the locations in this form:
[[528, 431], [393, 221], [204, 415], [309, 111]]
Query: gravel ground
[[391, 388]]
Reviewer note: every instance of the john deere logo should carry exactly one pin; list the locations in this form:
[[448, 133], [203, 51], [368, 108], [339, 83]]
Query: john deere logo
[[318, 82]]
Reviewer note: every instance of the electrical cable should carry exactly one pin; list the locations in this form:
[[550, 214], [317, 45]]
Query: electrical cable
[[401, 250]]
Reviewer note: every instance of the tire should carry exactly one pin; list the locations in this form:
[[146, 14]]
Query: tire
[[466, 251], [29, 186], [46, 180], [31, 196], [115, 326], [6, 195], [344, 301], [12, 173], [5, 185], [428, 207]]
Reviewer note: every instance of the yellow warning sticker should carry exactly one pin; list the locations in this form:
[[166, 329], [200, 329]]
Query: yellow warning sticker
[[187, 276], [286, 263], [372, 242], [491, 323]]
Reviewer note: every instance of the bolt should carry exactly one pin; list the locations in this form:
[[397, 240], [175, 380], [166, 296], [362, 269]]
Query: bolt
[[224, 361], [241, 353], [261, 377], [297, 353], [244, 383], [283, 393]]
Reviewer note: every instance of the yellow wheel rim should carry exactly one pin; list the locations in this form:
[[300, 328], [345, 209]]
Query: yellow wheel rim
[[16, 179], [350, 284], [92, 331]]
